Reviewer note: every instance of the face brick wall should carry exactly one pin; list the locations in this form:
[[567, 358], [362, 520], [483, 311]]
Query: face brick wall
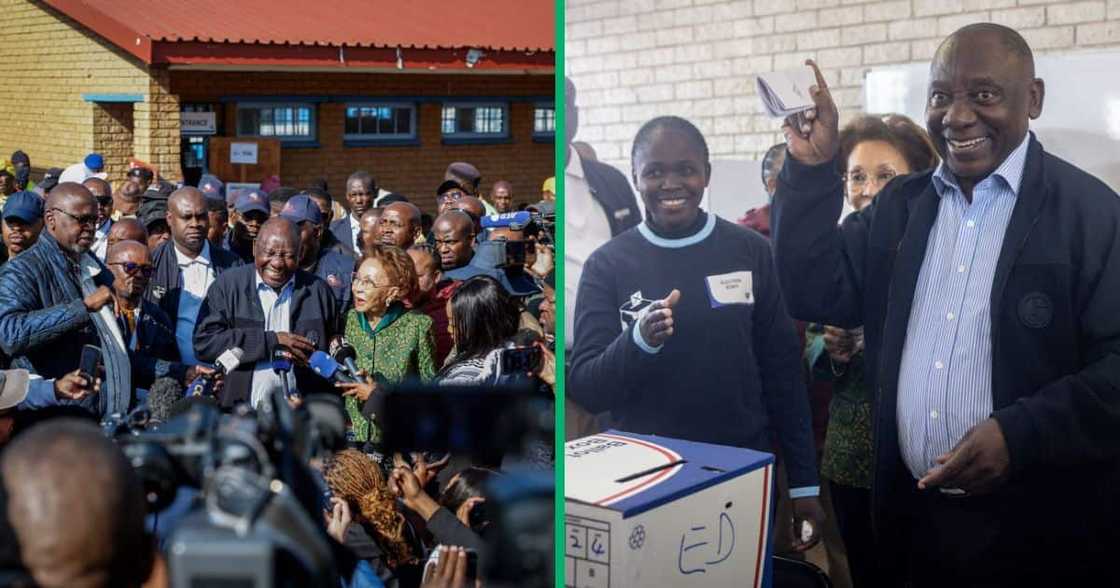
[[415, 171], [635, 59]]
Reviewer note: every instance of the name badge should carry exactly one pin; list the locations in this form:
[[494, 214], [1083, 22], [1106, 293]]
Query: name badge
[[732, 288]]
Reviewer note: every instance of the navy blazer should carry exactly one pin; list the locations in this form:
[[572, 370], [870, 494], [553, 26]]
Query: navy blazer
[[1055, 332], [341, 231], [166, 285], [612, 191]]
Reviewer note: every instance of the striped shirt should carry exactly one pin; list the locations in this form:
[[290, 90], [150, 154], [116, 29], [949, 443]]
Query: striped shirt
[[945, 380]]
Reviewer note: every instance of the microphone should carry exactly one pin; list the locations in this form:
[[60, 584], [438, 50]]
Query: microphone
[[162, 396], [228, 361], [343, 352], [328, 369], [282, 365], [514, 220]]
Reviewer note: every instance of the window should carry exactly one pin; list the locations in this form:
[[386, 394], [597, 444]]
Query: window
[[380, 122], [290, 122], [475, 121], [544, 121]]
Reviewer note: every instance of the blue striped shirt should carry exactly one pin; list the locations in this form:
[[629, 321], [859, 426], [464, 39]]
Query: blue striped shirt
[[945, 380]]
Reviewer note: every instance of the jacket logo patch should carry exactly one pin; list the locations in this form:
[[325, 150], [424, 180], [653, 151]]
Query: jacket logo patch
[[1036, 310], [333, 281], [621, 213]]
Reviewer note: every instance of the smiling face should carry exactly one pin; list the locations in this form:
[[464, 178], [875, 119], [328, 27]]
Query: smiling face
[[870, 166], [276, 253], [671, 173], [981, 98]]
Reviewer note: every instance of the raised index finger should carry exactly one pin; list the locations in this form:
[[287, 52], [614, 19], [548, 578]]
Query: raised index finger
[[823, 85]]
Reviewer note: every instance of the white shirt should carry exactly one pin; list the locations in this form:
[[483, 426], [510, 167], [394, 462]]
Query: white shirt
[[277, 309], [101, 240], [195, 275], [587, 228], [355, 228], [117, 388]]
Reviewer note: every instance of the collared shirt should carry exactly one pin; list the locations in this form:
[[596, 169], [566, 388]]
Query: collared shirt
[[945, 379], [101, 240], [355, 229], [116, 391], [585, 217], [195, 276], [277, 309]]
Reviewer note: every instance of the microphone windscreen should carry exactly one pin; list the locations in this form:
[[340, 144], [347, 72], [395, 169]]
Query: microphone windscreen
[[162, 396], [322, 364]]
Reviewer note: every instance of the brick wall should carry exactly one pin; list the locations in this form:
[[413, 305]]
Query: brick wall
[[49, 61], [415, 171], [157, 126], [113, 125], [636, 59]]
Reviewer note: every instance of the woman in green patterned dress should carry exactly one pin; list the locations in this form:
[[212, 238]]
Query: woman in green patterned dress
[[393, 343]]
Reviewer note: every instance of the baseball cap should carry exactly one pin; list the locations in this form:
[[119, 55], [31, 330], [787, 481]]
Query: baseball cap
[[94, 162], [20, 158], [152, 210], [211, 187], [26, 206], [252, 200], [465, 172], [301, 208], [13, 388], [447, 186], [140, 171]]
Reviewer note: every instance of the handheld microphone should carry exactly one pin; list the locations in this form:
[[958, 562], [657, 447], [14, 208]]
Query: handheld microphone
[[344, 353], [328, 369], [228, 361], [282, 365], [163, 395], [514, 220]]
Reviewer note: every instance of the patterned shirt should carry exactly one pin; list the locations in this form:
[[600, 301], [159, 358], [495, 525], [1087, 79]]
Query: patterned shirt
[[945, 380]]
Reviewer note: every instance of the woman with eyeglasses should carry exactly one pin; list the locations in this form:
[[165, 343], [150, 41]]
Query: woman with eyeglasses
[[873, 151], [393, 343]]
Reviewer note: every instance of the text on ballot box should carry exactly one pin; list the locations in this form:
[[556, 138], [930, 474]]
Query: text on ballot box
[[643, 510]]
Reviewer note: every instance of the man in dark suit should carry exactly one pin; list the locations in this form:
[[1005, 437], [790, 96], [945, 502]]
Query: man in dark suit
[[987, 292], [361, 190]]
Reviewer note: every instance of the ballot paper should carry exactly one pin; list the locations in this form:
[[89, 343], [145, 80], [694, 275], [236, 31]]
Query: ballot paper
[[786, 92]]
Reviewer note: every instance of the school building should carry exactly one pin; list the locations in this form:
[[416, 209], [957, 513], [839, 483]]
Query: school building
[[397, 89]]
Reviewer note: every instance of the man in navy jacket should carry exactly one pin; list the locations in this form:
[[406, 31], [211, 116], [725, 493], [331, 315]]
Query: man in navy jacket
[[1022, 446]]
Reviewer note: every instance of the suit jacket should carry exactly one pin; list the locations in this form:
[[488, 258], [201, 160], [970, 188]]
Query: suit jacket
[[1055, 334], [341, 231], [166, 285], [231, 316], [156, 355], [612, 191]]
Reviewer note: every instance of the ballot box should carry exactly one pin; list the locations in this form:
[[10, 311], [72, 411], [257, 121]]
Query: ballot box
[[648, 511]]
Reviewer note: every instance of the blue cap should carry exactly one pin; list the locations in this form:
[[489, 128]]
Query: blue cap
[[26, 206], [212, 188], [301, 208], [95, 162], [252, 200]]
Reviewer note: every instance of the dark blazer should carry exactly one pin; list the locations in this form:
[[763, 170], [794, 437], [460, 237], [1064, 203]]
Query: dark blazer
[[341, 231], [612, 191], [1055, 333], [165, 288], [231, 316], [43, 321], [156, 354]]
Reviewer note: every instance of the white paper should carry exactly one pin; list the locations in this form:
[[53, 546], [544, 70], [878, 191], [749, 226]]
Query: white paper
[[243, 153], [786, 92]]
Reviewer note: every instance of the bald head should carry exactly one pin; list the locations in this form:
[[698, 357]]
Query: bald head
[[186, 195], [1009, 39], [71, 217], [399, 225], [98, 187], [68, 192], [276, 252], [127, 229], [454, 236], [76, 507], [126, 251]]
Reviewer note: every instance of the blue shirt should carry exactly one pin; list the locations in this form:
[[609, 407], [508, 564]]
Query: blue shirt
[[945, 379]]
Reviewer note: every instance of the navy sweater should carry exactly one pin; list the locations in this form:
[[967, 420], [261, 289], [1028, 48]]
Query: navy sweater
[[728, 373]]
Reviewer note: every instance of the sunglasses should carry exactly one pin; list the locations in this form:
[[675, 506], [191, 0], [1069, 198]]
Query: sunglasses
[[86, 221], [133, 269]]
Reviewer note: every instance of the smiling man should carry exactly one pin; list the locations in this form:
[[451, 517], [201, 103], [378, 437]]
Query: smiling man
[[987, 291]]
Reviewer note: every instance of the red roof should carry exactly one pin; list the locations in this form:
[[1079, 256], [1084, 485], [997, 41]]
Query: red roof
[[200, 31]]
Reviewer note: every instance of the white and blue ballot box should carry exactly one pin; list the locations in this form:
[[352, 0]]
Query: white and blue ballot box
[[647, 511]]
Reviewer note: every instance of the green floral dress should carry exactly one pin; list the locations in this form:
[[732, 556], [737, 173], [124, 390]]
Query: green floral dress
[[846, 458], [399, 347]]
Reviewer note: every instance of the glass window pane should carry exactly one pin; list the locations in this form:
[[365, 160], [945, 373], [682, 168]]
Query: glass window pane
[[384, 121], [248, 121], [404, 120], [352, 121], [449, 120]]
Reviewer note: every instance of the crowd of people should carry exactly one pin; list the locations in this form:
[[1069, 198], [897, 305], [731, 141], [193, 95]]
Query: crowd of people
[[949, 350], [115, 289]]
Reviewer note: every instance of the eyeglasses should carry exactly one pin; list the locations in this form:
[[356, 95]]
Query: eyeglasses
[[132, 268], [451, 195], [367, 283], [856, 181], [89, 220]]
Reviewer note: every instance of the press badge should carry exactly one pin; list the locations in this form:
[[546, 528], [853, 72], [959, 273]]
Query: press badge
[[732, 288]]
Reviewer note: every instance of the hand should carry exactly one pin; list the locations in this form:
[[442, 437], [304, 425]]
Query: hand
[[338, 519], [547, 373], [464, 512], [451, 571], [98, 299], [807, 509], [404, 483], [839, 344], [813, 136], [75, 386], [300, 347], [360, 390], [426, 472], [195, 371], [544, 263], [978, 464], [657, 324]]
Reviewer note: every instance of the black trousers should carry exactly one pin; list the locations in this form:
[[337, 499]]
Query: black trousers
[[852, 507]]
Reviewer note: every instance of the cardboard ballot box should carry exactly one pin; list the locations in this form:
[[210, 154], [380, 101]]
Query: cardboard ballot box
[[647, 511]]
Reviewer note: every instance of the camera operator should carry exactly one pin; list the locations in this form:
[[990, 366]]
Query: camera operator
[[77, 508]]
